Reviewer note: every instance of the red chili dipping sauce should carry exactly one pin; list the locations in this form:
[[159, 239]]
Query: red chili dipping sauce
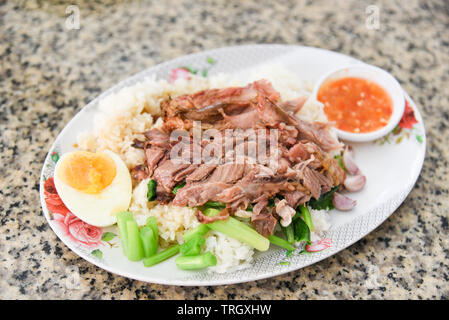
[[356, 105]]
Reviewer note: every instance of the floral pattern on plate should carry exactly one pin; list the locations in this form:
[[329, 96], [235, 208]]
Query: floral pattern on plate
[[407, 126]]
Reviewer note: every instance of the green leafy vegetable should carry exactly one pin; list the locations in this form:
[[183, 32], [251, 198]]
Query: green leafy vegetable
[[179, 186], [297, 215], [201, 261], [306, 216], [284, 263], [108, 236], [193, 246], [302, 232], [161, 256], [324, 202], [97, 253], [281, 242], [289, 233], [204, 73], [215, 204], [151, 194]]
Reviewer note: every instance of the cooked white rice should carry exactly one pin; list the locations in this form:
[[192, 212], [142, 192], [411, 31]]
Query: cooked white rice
[[125, 115], [321, 223], [172, 220], [231, 254]]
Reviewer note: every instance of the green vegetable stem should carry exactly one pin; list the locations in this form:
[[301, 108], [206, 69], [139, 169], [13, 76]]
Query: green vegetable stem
[[289, 233], [161, 256], [306, 216], [201, 230], [148, 241], [122, 219], [152, 223], [238, 230], [135, 246], [201, 261], [281, 243]]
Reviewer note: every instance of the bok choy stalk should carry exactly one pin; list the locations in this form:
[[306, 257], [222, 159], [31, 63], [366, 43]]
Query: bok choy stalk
[[161, 256], [281, 242], [122, 219], [201, 261], [201, 230], [152, 223], [149, 242], [236, 229], [135, 246]]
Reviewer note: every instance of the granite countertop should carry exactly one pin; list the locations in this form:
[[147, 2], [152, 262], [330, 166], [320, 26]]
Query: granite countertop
[[49, 72]]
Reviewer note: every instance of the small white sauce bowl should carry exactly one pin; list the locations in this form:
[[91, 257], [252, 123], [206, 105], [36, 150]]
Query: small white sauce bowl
[[384, 80]]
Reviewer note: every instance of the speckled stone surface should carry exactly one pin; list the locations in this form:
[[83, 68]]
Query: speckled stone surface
[[48, 73]]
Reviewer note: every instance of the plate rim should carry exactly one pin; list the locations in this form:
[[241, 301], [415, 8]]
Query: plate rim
[[190, 282]]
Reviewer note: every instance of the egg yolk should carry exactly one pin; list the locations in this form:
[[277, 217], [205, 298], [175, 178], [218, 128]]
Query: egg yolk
[[87, 172]]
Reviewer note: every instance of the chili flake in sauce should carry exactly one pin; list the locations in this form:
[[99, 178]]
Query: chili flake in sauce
[[356, 105]]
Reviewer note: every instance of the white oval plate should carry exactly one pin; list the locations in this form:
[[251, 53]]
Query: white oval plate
[[392, 166]]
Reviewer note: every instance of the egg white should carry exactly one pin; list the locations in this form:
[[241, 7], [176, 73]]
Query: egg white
[[98, 209]]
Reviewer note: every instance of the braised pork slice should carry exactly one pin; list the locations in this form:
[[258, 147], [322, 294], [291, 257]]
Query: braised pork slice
[[201, 172], [198, 194], [264, 223], [207, 105], [296, 198], [235, 108], [246, 191], [295, 167], [166, 174]]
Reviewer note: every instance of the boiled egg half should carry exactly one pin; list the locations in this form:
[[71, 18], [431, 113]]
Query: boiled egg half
[[93, 186]]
